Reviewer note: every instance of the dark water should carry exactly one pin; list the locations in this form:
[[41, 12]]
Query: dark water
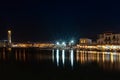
[[36, 64]]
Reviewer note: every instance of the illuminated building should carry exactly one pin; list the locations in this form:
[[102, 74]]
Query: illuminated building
[[106, 41], [85, 41], [109, 38]]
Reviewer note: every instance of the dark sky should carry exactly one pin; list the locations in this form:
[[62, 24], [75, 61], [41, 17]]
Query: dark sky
[[50, 20]]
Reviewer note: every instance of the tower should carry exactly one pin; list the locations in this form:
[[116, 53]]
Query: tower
[[9, 38]]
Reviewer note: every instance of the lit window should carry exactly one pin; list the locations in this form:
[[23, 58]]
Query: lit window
[[81, 41]]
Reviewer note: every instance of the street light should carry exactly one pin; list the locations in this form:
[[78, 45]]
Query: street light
[[58, 43], [63, 43], [71, 41]]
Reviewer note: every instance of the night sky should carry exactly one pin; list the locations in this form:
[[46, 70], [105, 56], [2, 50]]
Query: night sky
[[51, 20]]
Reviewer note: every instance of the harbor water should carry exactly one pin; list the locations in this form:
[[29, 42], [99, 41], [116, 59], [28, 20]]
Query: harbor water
[[31, 63]]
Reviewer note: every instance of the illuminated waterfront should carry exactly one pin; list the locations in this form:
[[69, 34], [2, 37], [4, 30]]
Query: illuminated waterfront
[[25, 63]]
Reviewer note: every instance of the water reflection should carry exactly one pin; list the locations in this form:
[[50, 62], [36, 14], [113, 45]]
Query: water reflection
[[53, 55], [57, 57], [20, 55], [106, 60], [4, 56], [64, 58], [25, 55], [71, 57]]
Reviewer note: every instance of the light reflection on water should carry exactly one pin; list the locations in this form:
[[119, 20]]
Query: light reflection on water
[[57, 57], [53, 55], [63, 57], [105, 60], [72, 57]]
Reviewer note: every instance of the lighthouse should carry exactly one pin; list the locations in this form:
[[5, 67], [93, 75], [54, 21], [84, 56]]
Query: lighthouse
[[9, 38]]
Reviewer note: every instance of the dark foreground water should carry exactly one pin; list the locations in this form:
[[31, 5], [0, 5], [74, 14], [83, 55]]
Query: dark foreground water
[[36, 64]]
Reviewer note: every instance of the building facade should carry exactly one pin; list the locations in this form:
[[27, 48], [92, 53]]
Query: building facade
[[85, 41], [108, 38]]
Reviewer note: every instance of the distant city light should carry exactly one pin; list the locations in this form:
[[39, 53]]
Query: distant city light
[[9, 31], [72, 41], [63, 43], [58, 43]]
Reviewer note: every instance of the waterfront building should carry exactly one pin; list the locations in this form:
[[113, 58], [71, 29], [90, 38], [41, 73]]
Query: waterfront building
[[109, 38], [85, 41]]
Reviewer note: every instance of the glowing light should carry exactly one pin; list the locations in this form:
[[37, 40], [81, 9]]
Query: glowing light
[[64, 44], [63, 56], [72, 58], [114, 47], [98, 57], [111, 57], [57, 57], [81, 41], [9, 31], [72, 41], [9, 36], [77, 56], [58, 43], [103, 55]]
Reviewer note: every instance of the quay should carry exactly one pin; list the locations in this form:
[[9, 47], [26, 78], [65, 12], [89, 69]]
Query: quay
[[106, 42]]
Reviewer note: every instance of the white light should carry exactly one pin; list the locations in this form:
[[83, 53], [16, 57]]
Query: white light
[[58, 43], [114, 47], [72, 41], [57, 57], [72, 58], [63, 56], [64, 44]]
